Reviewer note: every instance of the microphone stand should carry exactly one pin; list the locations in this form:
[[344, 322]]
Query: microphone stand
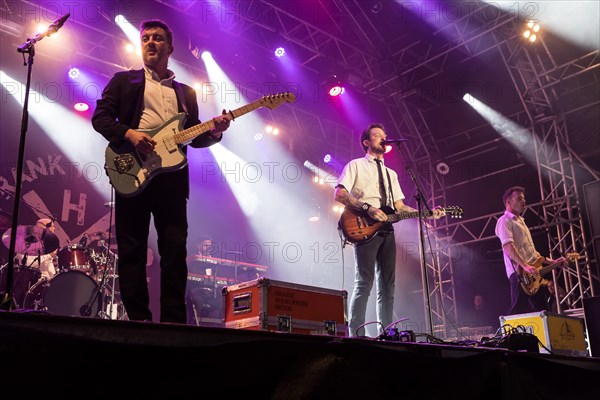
[[420, 205], [6, 299]]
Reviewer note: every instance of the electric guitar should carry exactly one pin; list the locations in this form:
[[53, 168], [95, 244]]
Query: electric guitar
[[532, 283], [357, 227], [130, 172]]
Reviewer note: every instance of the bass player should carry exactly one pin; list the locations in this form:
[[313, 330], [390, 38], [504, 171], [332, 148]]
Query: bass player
[[520, 254]]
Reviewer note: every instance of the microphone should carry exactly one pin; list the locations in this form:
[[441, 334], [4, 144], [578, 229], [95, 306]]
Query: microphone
[[390, 141], [53, 28], [56, 25]]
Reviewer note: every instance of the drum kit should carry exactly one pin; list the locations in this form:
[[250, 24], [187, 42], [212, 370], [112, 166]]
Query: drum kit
[[83, 285]]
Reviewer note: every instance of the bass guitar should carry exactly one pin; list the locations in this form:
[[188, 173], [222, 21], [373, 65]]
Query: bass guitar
[[357, 227], [531, 283], [130, 172]]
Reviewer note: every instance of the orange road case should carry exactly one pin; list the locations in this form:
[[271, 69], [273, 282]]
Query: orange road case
[[265, 304]]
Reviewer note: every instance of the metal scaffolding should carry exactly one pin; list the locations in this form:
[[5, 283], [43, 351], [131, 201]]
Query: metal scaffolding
[[537, 78], [353, 44]]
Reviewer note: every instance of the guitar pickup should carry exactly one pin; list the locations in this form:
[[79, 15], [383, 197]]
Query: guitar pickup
[[170, 145]]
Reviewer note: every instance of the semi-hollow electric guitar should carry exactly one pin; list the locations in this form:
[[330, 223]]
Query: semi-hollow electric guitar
[[357, 227], [532, 283], [130, 172]]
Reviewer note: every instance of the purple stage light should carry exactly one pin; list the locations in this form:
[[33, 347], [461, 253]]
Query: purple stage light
[[279, 52]]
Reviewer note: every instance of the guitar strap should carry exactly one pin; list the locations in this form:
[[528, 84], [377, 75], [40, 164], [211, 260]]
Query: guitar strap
[[180, 96], [519, 276]]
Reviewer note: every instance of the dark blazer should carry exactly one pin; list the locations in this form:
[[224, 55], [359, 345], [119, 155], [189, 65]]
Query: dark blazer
[[122, 104]]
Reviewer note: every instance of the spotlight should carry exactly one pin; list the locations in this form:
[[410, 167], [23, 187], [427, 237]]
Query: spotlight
[[327, 158], [531, 30], [275, 131], [129, 48], [336, 90], [81, 107], [73, 73], [334, 86], [279, 52], [258, 136]]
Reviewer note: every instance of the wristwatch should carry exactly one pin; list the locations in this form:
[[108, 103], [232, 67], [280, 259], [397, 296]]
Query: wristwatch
[[365, 207]]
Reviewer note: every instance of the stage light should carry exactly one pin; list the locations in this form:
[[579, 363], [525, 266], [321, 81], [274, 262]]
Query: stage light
[[279, 52], [129, 48], [315, 179], [327, 158], [81, 107], [338, 209], [314, 218], [206, 56], [468, 98], [73, 73], [333, 85], [336, 90], [531, 30], [270, 129], [258, 136]]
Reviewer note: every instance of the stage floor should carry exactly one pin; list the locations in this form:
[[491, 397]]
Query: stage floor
[[46, 354]]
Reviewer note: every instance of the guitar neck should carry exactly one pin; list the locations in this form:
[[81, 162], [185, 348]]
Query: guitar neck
[[187, 135], [407, 215], [548, 268]]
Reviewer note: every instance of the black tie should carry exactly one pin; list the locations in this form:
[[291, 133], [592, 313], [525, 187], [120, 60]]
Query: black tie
[[381, 183]]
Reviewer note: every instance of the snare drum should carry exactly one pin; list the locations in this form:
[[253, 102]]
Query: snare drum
[[74, 257]]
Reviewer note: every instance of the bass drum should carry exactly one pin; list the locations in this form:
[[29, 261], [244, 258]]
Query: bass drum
[[70, 293]]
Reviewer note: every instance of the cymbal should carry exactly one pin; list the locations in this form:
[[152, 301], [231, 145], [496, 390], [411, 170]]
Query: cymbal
[[28, 240]]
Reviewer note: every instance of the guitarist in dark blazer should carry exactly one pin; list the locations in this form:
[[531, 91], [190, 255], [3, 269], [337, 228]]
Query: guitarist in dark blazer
[[144, 99], [362, 187], [520, 253]]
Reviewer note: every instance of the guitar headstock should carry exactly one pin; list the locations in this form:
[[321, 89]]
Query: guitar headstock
[[454, 211], [275, 100], [572, 257]]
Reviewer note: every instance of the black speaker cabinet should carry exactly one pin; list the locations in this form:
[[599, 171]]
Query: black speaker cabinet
[[591, 310]]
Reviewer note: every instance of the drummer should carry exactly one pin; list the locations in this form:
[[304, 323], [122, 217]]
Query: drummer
[[50, 245]]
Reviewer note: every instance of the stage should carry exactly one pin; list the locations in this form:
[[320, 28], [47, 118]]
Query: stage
[[98, 358]]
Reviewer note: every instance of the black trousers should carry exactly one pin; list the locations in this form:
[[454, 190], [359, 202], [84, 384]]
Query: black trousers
[[522, 303], [165, 198]]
